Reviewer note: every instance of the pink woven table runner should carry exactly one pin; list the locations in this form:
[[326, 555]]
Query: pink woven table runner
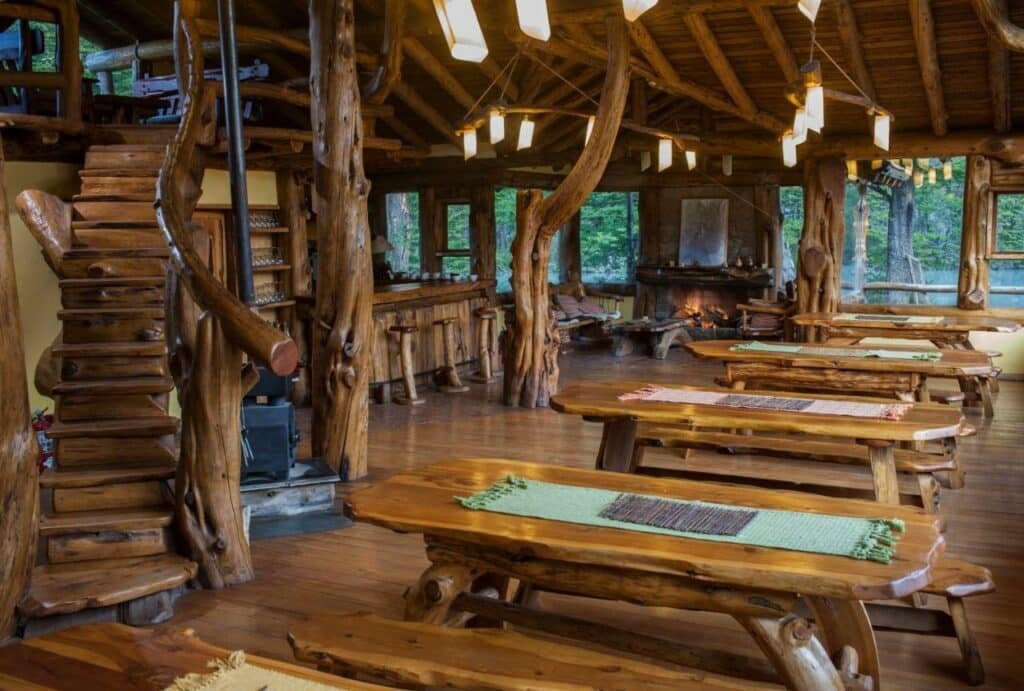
[[810, 406]]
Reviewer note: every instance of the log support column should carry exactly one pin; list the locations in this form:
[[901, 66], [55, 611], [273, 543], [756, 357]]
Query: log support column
[[820, 258], [979, 215]]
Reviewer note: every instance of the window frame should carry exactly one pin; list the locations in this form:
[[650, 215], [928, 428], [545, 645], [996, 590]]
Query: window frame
[[992, 248]]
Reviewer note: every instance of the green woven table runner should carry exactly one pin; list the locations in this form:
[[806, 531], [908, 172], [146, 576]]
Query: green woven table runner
[[857, 538], [880, 353]]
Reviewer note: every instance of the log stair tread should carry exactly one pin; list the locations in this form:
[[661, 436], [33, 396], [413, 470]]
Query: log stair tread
[[153, 173], [117, 253], [113, 224], [416, 654], [131, 427], [129, 385], [122, 349], [74, 479], [104, 520], [110, 197], [67, 588], [907, 460], [958, 578], [112, 313]]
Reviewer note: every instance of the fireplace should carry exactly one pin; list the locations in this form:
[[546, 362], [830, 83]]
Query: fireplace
[[710, 312]]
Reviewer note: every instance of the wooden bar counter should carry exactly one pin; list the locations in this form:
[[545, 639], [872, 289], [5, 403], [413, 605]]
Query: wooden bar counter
[[421, 304]]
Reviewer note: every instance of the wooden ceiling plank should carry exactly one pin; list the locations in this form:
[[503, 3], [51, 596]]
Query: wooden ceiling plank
[[849, 35], [425, 111], [719, 62], [999, 78], [441, 74], [776, 42], [923, 23], [406, 132]]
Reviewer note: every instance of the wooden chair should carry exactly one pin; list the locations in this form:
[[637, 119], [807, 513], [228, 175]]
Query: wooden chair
[[405, 332], [487, 318], [762, 319], [447, 376]]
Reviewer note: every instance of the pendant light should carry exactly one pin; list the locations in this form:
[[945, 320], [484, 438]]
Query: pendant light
[[533, 18], [876, 164], [497, 125], [468, 143], [727, 165], [814, 95], [809, 8], [932, 176], [882, 124], [525, 134], [918, 177], [788, 150], [947, 170], [461, 29], [691, 160], [851, 170], [590, 128], [645, 160], [634, 8], [664, 154], [800, 126]]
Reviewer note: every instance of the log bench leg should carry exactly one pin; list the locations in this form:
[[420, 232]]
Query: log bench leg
[[622, 345], [930, 492], [883, 470], [843, 625], [663, 343], [430, 598], [985, 390], [617, 445], [793, 650], [968, 645]]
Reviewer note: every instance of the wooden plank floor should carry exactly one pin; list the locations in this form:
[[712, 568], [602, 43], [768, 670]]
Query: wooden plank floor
[[367, 568]]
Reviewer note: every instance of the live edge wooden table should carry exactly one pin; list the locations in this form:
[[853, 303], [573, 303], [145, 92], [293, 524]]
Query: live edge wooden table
[[952, 331], [599, 402], [757, 586], [839, 368]]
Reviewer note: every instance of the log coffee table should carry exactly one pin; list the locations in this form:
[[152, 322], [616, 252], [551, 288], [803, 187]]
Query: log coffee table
[[658, 334], [758, 586]]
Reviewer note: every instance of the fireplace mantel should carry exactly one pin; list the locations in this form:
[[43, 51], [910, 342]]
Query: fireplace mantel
[[704, 275]]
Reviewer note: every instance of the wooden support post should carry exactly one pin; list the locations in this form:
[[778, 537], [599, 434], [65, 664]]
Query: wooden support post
[[531, 352], [343, 314], [882, 456], [795, 653], [431, 227], [769, 219], [861, 216], [570, 260], [979, 217], [923, 23], [291, 199], [483, 233], [19, 453], [821, 245]]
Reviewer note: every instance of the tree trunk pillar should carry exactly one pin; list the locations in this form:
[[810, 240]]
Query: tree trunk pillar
[[820, 258], [979, 215], [861, 217]]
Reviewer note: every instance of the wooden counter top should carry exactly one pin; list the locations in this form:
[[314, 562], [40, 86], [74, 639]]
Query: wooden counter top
[[426, 290]]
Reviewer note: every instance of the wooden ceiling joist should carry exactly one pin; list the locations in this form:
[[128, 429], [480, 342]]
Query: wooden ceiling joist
[[405, 132], [489, 66], [923, 23], [849, 36], [776, 42], [719, 62], [425, 111], [999, 80], [441, 74], [649, 48], [994, 17]]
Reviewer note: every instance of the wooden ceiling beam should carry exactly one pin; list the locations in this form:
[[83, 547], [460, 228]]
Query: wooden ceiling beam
[[405, 132], [719, 62], [491, 70], [923, 23], [849, 36], [441, 74], [589, 15], [425, 111], [776, 42], [999, 80], [994, 17], [648, 47]]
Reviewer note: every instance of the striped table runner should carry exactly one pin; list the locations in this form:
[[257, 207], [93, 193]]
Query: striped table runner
[[888, 318]]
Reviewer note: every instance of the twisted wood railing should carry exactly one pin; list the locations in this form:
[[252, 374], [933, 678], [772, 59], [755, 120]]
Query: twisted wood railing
[[209, 332]]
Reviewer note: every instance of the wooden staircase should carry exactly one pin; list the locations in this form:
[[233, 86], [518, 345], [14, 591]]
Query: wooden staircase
[[105, 531]]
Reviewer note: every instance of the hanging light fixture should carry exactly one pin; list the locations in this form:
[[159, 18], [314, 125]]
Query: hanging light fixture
[[918, 177], [809, 8], [932, 176], [645, 160], [876, 164], [947, 170], [882, 124], [533, 18], [691, 160], [925, 163], [461, 29], [664, 154], [634, 8], [814, 95], [468, 143], [497, 125], [800, 126], [788, 150], [590, 128], [726, 165], [851, 170], [525, 134]]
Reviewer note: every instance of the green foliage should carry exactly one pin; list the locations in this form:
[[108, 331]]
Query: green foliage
[[1010, 223], [609, 237], [403, 224], [505, 223], [47, 60]]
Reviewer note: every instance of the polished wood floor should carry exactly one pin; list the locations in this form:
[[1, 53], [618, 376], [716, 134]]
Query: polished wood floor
[[367, 568]]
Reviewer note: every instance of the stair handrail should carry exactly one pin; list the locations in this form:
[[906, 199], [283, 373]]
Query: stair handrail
[[176, 195]]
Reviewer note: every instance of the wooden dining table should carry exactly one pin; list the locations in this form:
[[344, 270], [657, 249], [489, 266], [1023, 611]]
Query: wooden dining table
[[945, 331], [598, 401], [758, 586], [840, 369]]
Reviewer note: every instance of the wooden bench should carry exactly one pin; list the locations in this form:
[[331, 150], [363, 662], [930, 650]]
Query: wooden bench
[[417, 654], [929, 470]]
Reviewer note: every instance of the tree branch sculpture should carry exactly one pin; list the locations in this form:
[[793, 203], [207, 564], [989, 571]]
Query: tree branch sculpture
[[531, 342], [342, 322]]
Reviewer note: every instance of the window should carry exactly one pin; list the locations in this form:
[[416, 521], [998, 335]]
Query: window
[[609, 237], [455, 253], [1006, 252], [505, 224], [403, 210], [791, 199]]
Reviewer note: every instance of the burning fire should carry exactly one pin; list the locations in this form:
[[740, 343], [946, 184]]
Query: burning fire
[[704, 316]]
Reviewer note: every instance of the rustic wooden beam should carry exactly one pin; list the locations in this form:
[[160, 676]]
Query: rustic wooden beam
[[849, 36], [291, 200], [1007, 147], [923, 23], [282, 40], [646, 44], [999, 80], [405, 132], [342, 325], [719, 62], [389, 72], [427, 112], [776, 42], [994, 17], [441, 74], [19, 453]]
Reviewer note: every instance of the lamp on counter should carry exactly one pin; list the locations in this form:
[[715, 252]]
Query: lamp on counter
[[497, 125], [634, 8], [461, 29], [533, 18], [468, 142], [525, 134]]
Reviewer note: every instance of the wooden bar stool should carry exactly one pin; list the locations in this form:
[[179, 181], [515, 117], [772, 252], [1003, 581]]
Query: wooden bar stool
[[405, 332], [447, 376], [488, 320]]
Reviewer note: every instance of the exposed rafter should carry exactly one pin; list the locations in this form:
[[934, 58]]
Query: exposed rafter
[[646, 44], [923, 23], [720, 63], [776, 42], [999, 80], [441, 74], [849, 35], [424, 110], [405, 132]]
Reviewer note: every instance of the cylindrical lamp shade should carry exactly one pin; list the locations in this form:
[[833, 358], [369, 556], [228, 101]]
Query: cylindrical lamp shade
[[497, 126], [533, 18], [634, 8], [664, 154], [525, 134], [469, 143], [461, 29]]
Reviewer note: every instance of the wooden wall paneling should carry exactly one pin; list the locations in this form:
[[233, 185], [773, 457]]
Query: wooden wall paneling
[[291, 200], [483, 240], [979, 213], [820, 258], [570, 261], [430, 213]]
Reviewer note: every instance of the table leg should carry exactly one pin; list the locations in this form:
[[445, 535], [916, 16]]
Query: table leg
[[622, 345], [797, 655], [663, 343], [845, 623], [883, 470], [617, 443], [429, 599]]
